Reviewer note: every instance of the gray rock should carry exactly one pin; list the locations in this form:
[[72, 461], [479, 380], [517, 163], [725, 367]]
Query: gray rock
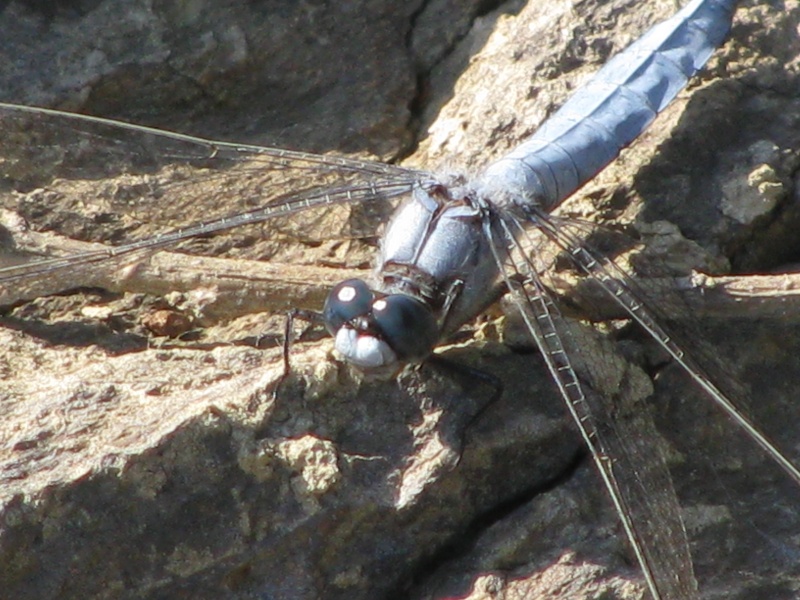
[[134, 466]]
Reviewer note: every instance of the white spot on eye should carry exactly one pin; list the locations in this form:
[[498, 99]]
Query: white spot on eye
[[379, 305], [347, 293]]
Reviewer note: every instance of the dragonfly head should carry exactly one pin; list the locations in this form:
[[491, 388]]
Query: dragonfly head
[[374, 331]]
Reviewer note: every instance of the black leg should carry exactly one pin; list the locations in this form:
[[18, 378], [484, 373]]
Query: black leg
[[310, 316]]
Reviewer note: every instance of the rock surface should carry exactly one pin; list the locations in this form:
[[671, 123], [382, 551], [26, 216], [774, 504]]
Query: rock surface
[[137, 466]]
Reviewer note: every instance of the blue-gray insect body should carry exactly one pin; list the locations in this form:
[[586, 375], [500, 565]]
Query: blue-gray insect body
[[436, 247]]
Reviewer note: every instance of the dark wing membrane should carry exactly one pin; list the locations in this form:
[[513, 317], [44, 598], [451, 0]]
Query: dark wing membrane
[[603, 396], [142, 190]]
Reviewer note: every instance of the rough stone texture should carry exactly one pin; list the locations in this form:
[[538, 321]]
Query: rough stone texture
[[134, 466]]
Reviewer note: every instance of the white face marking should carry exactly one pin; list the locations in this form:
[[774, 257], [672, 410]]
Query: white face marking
[[347, 293], [363, 351], [379, 305]]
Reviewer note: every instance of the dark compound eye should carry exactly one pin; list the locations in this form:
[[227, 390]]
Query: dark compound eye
[[396, 325], [407, 325], [349, 299]]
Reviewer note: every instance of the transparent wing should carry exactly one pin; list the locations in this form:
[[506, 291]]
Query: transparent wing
[[620, 439], [604, 402], [632, 299], [110, 183]]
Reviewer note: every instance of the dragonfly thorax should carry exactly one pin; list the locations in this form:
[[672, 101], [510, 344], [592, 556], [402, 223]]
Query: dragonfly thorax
[[434, 249], [431, 277]]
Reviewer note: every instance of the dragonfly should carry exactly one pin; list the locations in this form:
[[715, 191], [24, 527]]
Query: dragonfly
[[500, 245]]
